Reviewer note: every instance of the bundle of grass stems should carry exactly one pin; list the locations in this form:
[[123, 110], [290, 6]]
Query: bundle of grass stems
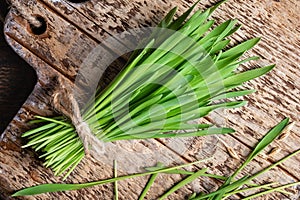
[[159, 91]]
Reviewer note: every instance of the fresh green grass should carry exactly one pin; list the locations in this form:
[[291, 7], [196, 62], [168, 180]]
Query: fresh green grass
[[176, 78], [65, 187], [230, 187], [116, 182], [195, 69]]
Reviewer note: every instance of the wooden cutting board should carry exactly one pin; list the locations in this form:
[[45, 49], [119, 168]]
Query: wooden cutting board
[[15, 86], [72, 30]]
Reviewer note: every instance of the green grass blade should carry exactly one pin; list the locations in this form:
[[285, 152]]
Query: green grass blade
[[267, 139], [240, 78], [224, 190], [195, 23], [228, 61], [218, 32], [249, 189], [233, 30], [168, 18], [150, 183], [247, 60], [216, 6], [220, 195], [178, 22], [39, 129], [233, 94], [58, 121], [271, 190], [152, 135], [183, 183], [243, 47], [45, 188], [116, 182], [148, 186], [75, 164], [219, 46], [271, 166]]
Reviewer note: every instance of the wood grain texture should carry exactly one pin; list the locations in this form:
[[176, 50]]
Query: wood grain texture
[[12, 67], [75, 29]]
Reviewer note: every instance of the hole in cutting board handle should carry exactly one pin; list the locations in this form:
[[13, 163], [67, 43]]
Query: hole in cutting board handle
[[41, 29]]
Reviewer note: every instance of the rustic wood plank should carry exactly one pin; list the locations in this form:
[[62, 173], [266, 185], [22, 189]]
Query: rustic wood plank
[[12, 93], [84, 15]]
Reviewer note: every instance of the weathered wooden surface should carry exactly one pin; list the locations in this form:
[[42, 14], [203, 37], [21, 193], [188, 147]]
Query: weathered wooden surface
[[75, 29], [12, 67]]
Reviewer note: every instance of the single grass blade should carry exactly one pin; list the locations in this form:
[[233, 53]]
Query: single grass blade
[[178, 22], [267, 139], [168, 18], [183, 183], [249, 189], [148, 186], [39, 129], [116, 182], [150, 183], [221, 194], [271, 190], [216, 6], [223, 190], [246, 76], [152, 135], [243, 47], [233, 94]]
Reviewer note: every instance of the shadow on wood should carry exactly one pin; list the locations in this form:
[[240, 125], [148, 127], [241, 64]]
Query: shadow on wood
[[17, 78]]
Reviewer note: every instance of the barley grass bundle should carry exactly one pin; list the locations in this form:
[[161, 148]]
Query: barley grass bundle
[[175, 79]]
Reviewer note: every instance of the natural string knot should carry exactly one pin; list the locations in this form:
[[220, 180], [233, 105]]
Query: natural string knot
[[65, 102], [19, 6]]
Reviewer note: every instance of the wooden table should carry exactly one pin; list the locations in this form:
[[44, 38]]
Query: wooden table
[[17, 78], [74, 29]]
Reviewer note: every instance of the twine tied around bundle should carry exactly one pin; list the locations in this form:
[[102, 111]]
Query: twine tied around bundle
[[64, 101]]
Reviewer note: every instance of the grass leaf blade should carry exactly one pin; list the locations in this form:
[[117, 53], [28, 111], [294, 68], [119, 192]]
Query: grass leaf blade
[[183, 183]]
